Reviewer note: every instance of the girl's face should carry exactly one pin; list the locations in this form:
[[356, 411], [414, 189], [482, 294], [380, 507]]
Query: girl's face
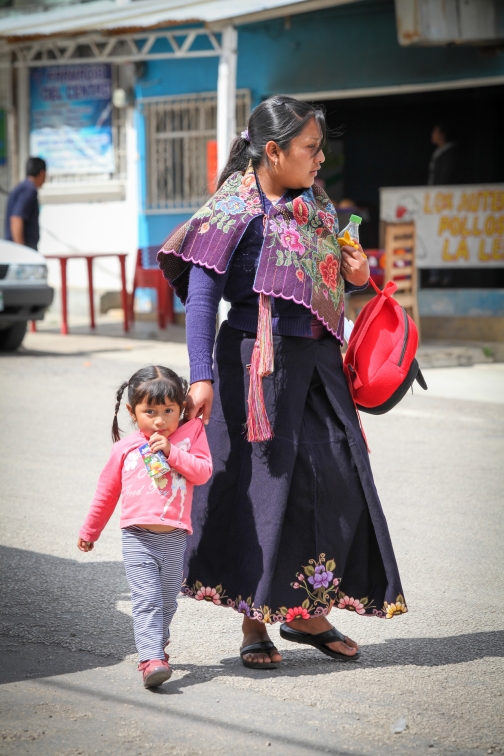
[[297, 167], [156, 418]]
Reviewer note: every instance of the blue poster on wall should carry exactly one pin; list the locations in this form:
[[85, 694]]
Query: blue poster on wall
[[71, 118]]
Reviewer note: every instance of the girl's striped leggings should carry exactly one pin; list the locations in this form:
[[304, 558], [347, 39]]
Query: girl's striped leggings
[[154, 564]]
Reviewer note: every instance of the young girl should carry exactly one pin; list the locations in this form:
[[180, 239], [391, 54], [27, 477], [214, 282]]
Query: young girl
[[156, 512]]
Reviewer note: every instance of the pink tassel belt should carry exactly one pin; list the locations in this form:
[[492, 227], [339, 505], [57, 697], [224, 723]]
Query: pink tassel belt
[[261, 365]]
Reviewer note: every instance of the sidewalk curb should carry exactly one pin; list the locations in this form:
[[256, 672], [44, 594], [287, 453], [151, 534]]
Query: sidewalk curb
[[443, 354]]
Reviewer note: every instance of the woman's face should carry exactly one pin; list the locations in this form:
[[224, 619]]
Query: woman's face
[[297, 167]]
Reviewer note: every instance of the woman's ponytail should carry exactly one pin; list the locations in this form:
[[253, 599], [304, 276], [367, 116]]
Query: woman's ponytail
[[238, 160], [116, 432]]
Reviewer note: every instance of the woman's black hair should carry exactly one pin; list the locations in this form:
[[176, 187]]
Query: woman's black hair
[[153, 384], [278, 119]]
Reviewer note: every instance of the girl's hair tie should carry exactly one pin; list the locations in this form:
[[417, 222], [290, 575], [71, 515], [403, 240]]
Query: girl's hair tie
[[245, 135]]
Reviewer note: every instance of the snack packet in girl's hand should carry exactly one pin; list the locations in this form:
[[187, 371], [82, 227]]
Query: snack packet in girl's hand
[[156, 462]]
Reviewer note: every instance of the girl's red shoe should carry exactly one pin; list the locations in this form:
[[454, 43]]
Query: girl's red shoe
[[155, 672]]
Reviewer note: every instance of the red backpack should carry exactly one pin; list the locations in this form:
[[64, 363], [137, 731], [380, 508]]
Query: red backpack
[[380, 363]]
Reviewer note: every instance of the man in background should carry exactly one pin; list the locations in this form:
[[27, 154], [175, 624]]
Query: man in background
[[443, 170], [443, 166], [22, 216]]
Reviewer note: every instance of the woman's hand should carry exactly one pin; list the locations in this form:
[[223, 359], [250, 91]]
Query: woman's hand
[[355, 266], [85, 545], [157, 442], [199, 400]]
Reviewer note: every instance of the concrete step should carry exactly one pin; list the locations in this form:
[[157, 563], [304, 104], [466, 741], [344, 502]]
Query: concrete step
[[434, 353]]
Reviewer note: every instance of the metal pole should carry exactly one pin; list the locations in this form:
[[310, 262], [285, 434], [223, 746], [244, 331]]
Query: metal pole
[[89, 261], [12, 135], [124, 291], [23, 112], [226, 110], [64, 300], [226, 95]]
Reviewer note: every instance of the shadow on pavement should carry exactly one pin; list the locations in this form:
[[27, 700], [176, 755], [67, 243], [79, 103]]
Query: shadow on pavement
[[267, 725], [400, 652], [60, 615], [394, 652]]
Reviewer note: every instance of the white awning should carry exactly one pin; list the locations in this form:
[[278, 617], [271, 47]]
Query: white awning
[[107, 16]]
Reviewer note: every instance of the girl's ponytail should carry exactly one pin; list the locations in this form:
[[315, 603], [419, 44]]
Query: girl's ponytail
[[116, 433], [238, 160]]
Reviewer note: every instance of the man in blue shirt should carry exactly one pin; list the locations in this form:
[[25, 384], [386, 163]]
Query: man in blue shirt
[[22, 216]]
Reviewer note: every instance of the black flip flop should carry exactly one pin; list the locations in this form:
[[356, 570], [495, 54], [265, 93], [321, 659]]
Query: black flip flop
[[318, 641], [261, 647]]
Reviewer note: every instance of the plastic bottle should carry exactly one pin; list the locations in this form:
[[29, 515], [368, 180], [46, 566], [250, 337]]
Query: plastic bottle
[[349, 236]]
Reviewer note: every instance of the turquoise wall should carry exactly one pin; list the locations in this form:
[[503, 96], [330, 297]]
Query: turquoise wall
[[348, 47], [455, 302]]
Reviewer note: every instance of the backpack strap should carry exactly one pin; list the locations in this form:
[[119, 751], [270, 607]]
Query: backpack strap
[[387, 292], [354, 382]]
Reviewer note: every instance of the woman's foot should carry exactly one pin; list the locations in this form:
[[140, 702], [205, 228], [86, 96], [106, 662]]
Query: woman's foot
[[255, 632], [316, 625]]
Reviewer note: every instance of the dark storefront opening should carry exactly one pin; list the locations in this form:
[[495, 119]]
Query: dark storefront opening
[[385, 141]]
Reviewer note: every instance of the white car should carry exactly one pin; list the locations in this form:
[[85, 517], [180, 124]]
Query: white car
[[24, 293]]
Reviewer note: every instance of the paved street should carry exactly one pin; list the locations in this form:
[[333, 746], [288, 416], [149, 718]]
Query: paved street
[[68, 672]]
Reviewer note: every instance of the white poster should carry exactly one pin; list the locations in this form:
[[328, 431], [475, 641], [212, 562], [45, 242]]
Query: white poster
[[71, 118], [456, 226]]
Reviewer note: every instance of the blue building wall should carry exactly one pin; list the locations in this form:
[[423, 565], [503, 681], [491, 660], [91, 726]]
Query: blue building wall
[[349, 47], [450, 303], [346, 47]]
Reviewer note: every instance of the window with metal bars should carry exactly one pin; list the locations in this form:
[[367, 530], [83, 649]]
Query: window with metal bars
[[178, 130]]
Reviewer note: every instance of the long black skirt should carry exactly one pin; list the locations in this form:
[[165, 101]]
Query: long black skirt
[[291, 527]]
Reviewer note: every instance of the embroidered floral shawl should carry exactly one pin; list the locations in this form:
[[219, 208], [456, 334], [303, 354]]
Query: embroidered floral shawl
[[300, 258]]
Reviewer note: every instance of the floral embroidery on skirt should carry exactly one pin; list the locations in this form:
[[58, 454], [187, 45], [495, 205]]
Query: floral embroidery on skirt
[[318, 580]]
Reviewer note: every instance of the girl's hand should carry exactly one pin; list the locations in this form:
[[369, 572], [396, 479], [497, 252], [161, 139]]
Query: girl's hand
[[355, 266], [199, 400], [157, 442], [85, 545]]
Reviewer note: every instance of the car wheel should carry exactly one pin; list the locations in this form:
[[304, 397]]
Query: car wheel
[[12, 338]]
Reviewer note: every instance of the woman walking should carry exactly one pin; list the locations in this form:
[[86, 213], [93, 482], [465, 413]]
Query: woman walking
[[290, 524]]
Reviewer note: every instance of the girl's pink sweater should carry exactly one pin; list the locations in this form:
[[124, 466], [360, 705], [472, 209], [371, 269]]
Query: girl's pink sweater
[[145, 499]]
